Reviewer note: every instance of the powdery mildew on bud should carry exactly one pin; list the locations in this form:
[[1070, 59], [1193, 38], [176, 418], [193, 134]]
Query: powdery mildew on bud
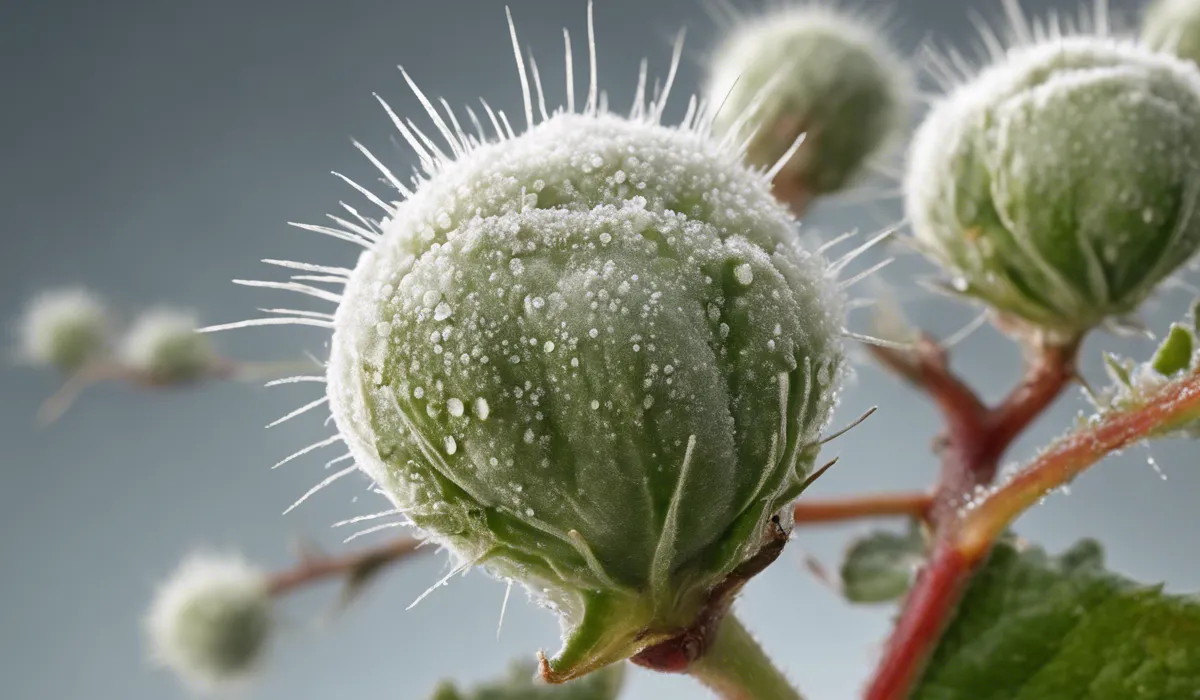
[[809, 68], [590, 357], [1173, 26], [1059, 185], [211, 621], [164, 346], [64, 329]]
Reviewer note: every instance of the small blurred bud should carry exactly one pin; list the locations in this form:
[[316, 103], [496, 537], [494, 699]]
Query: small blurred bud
[[64, 329], [814, 71], [1174, 26], [164, 347], [211, 621]]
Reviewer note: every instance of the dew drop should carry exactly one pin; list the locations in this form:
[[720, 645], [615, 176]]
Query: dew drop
[[442, 312], [744, 274], [595, 405], [529, 436], [451, 445], [1157, 469], [455, 407], [481, 408]]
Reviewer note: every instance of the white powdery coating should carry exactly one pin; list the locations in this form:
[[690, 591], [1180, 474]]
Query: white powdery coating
[[163, 339], [579, 163], [67, 316], [930, 182], [210, 581]]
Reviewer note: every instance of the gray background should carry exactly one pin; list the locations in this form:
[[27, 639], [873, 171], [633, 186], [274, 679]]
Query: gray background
[[153, 149]]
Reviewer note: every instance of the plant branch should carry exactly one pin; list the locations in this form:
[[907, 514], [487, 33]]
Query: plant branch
[[317, 568], [975, 439], [913, 505], [736, 668], [965, 546], [1167, 408], [976, 435]]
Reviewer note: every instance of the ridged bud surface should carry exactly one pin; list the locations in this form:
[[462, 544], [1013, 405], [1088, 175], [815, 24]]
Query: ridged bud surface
[[592, 359], [1060, 185]]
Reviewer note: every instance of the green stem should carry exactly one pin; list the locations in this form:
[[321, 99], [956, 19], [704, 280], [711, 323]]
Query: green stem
[[736, 668]]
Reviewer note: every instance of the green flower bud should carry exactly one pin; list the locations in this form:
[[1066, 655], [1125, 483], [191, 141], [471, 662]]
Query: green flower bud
[[64, 329], [1173, 26], [211, 621], [591, 359], [809, 70], [522, 684], [1059, 185], [164, 347]]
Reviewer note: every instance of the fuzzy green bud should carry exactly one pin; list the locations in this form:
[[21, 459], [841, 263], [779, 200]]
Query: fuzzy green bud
[[1173, 26], [591, 359], [163, 347], [814, 71], [211, 621], [1059, 186], [64, 329]]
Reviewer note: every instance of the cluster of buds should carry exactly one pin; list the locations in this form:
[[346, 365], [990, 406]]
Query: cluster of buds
[[71, 331]]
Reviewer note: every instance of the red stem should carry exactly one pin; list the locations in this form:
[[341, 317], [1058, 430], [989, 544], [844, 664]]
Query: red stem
[[975, 439], [926, 610], [316, 568], [914, 505]]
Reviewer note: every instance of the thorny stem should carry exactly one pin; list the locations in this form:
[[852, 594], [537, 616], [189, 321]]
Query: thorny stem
[[736, 668], [975, 438], [318, 568], [915, 505], [940, 586], [1170, 406]]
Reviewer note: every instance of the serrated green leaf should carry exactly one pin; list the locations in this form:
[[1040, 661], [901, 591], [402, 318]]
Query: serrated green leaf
[[879, 567], [1035, 627], [521, 683], [1175, 353]]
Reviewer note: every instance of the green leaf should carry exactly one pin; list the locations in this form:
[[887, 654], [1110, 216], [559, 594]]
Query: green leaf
[[521, 683], [879, 567], [1118, 369], [1175, 353], [1035, 627]]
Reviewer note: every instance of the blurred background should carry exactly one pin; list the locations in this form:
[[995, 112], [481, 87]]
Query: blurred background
[[154, 149]]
